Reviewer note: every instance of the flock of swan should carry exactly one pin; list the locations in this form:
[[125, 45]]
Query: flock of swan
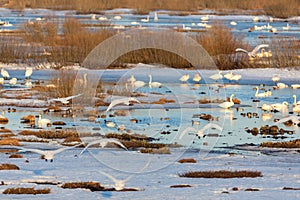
[[13, 81]]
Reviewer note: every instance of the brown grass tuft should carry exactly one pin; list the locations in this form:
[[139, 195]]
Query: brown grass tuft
[[7, 166], [50, 134], [93, 186], [26, 191], [163, 101], [222, 174], [290, 188], [187, 160], [16, 156], [162, 150]]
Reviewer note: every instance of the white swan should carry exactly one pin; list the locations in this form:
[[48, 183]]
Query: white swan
[[280, 106], [263, 94], [146, 20], [267, 107], [187, 28], [5, 74], [138, 84], [48, 154], [184, 78], [102, 18], [132, 79], [295, 100], [200, 133], [228, 75], [153, 84], [110, 124], [296, 109], [286, 28], [295, 86], [197, 78], [282, 85], [236, 77], [155, 17], [227, 104], [126, 101], [28, 72], [1, 80], [252, 54], [205, 18], [217, 76], [275, 78], [233, 23], [64, 100], [102, 143], [118, 17], [28, 83], [13, 81], [43, 122]]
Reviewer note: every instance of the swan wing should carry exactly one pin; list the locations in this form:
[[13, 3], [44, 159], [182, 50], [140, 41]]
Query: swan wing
[[38, 151], [71, 97], [109, 176], [116, 142], [258, 47], [65, 148], [212, 125], [187, 130], [241, 50]]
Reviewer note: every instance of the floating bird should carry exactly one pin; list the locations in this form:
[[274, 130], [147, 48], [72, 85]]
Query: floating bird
[[286, 28], [263, 94], [197, 78], [28, 83], [184, 78], [5, 74], [227, 104], [217, 76], [138, 84], [267, 107], [64, 100], [13, 81], [102, 18], [295, 100], [255, 19], [236, 77], [48, 154], [187, 28], [205, 18], [109, 124], [228, 76], [275, 78], [118, 17], [102, 143], [282, 85], [93, 16], [252, 54], [233, 23], [28, 72], [155, 17], [126, 101], [296, 109], [1, 80], [153, 84], [43, 122], [295, 86], [280, 106], [146, 20], [266, 116]]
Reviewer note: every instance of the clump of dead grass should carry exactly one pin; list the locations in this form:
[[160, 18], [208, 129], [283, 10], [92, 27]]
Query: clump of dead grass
[[162, 150], [222, 174], [180, 186], [187, 160], [93, 186], [7, 166], [26, 191], [16, 156], [59, 134]]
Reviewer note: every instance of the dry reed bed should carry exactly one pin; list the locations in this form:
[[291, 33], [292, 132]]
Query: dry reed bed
[[187, 160], [271, 7], [289, 144], [93, 186], [50, 134], [26, 191], [222, 174]]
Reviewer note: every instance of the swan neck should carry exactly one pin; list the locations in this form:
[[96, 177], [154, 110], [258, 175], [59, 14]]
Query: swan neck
[[150, 79]]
